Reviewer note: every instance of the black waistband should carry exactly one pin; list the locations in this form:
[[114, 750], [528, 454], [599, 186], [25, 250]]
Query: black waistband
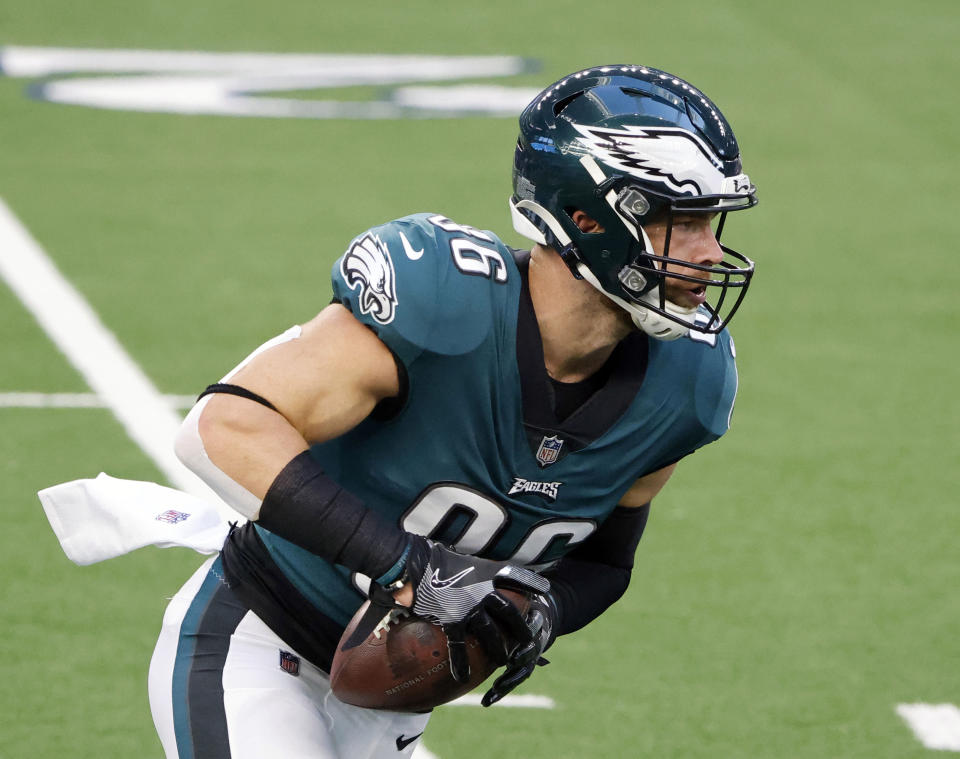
[[258, 582]]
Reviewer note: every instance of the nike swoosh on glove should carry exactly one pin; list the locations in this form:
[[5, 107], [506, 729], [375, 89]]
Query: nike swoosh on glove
[[453, 590]]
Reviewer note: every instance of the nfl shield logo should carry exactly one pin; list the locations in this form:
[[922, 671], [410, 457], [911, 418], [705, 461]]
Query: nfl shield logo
[[290, 663], [549, 450], [172, 516]]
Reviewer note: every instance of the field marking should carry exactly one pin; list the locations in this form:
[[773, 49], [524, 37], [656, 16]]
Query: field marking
[[79, 400], [95, 353], [248, 84], [936, 726], [528, 701]]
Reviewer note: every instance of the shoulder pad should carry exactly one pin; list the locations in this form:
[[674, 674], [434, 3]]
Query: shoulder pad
[[716, 381], [424, 282], [701, 370]]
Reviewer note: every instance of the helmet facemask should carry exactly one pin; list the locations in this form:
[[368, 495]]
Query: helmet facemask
[[639, 283], [647, 279]]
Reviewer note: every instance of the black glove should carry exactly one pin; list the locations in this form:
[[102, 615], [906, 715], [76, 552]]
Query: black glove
[[458, 592], [526, 655]]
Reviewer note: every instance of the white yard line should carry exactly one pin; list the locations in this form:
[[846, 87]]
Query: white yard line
[[239, 84], [94, 351], [528, 701], [78, 400], [936, 726]]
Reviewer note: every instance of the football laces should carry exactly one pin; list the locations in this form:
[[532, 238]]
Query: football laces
[[390, 618]]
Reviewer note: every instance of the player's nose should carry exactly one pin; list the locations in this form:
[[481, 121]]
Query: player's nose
[[707, 250]]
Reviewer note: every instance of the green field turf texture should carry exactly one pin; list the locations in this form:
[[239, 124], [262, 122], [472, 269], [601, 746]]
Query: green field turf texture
[[797, 581]]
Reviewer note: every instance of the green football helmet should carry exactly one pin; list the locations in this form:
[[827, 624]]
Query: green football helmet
[[629, 145]]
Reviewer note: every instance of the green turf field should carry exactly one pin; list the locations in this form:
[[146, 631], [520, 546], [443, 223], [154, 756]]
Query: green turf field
[[798, 580]]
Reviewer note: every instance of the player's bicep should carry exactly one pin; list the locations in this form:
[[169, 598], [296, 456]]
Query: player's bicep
[[643, 490], [326, 381]]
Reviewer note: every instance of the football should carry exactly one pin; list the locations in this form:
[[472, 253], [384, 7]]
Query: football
[[403, 665]]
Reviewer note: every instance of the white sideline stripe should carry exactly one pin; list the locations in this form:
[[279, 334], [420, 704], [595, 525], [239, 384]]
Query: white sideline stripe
[[936, 726], [95, 352], [517, 702], [79, 400]]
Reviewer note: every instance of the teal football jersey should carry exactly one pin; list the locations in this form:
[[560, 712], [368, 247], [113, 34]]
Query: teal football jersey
[[472, 455]]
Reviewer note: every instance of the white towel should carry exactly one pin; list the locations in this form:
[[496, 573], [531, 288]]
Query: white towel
[[106, 517]]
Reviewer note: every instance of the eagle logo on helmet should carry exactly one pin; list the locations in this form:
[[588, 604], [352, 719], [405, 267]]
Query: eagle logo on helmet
[[669, 156], [368, 268]]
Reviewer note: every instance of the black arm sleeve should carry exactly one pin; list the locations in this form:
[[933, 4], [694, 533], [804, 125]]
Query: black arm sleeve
[[587, 581], [312, 511]]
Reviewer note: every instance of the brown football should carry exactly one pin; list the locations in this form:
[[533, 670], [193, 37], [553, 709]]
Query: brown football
[[403, 664]]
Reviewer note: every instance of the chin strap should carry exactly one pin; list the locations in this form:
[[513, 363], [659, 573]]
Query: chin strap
[[646, 319], [657, 325]]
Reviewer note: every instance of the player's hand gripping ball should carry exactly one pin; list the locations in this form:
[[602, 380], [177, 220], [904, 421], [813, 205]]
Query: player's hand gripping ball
[[467, 617], [403, 664]]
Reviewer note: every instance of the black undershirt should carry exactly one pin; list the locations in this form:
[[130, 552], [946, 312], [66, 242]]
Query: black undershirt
[[577, 413], [569, 396], [256, 580]]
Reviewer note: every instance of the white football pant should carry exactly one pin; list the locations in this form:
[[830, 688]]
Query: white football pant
[[224, 686]]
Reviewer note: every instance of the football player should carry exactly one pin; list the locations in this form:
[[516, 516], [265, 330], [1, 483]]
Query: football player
[[465, 417]]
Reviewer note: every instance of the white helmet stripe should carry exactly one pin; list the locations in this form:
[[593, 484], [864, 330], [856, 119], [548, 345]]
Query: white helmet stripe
[[542, 213], [597, 175], [595, 172]]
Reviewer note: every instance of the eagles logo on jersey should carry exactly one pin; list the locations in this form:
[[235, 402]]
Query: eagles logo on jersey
[[368, 268]]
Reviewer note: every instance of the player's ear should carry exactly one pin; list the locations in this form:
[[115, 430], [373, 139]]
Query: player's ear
[[587, 224]]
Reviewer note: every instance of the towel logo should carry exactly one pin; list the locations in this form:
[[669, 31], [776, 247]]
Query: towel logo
[[172, 517]]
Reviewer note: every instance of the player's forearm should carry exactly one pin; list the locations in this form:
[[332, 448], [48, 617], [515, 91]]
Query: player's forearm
[[583, 590], [586, 582], [306, 507]]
